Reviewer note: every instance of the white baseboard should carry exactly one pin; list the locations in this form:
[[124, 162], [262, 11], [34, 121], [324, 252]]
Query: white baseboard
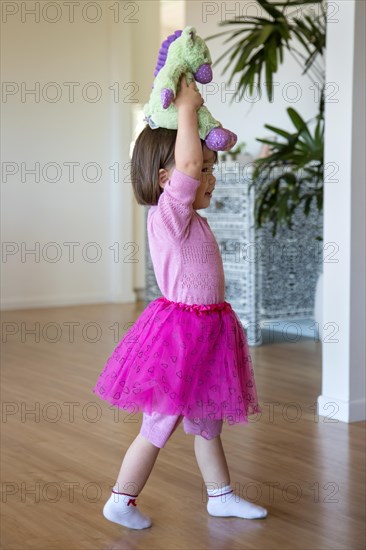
[[62, 301], [335, 409]]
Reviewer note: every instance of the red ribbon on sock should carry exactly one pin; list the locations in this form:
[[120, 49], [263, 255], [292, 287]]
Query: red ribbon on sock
[[131, 500]]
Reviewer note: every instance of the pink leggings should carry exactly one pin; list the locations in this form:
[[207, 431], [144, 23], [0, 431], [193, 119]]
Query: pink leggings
[[157, 427]]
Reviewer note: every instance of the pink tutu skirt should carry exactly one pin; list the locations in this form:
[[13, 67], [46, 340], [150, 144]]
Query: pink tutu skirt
[[182, 359]]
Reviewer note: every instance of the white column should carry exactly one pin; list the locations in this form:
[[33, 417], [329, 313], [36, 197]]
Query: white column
[[343, 385]]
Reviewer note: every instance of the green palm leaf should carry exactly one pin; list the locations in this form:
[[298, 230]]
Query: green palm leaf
[[257, 46]]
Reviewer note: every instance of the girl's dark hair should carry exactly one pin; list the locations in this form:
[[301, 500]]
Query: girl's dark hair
[[153, 150]]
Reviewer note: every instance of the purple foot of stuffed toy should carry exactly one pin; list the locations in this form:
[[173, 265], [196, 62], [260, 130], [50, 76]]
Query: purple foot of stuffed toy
[[220, 139], [167, 96]]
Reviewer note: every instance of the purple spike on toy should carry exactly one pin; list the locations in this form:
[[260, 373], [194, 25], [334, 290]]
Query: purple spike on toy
[[163, 52]]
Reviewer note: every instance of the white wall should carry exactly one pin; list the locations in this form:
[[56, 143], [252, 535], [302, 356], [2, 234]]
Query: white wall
[[37, 214], [145, 43], [172, 17], [343, 382], [105, 52], [247, 117]]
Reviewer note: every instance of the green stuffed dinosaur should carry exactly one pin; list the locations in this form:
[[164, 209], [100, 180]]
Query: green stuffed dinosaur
[[184, 53]]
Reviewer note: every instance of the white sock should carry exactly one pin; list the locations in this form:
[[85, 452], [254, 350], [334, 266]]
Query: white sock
[[225, 503], [121, 508]]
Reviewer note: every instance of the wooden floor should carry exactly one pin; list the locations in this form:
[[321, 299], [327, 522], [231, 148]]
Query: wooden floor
[[62, 448]]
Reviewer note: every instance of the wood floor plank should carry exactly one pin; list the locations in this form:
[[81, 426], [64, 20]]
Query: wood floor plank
[[62, 448]]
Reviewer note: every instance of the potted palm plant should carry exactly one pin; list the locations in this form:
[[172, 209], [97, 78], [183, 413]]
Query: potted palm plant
[[291, 176], [296, 158]]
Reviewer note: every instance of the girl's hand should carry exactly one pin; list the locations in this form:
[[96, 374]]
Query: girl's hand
[[188, 96]]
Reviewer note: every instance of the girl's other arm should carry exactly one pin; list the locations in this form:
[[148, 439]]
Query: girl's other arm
[[188, 146]]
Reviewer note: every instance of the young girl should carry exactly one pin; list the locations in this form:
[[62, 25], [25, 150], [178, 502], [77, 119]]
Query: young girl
[[186, 357]]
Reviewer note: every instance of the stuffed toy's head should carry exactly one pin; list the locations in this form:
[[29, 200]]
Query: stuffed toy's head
[[184, 52], [190, 50]]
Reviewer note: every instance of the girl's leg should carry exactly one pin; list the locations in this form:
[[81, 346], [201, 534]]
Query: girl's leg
[[211, 460], [135, 470], [215, 472], [136, 467]]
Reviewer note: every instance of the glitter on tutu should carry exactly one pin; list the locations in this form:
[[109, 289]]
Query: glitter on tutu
[[186, 359]]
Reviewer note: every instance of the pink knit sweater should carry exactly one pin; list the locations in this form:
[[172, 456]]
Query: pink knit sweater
[[185, 254]]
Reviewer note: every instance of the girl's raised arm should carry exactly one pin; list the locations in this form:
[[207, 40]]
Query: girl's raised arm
[[188, 147]]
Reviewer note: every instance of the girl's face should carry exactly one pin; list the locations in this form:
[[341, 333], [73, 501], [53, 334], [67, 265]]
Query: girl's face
[[208, 180]]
